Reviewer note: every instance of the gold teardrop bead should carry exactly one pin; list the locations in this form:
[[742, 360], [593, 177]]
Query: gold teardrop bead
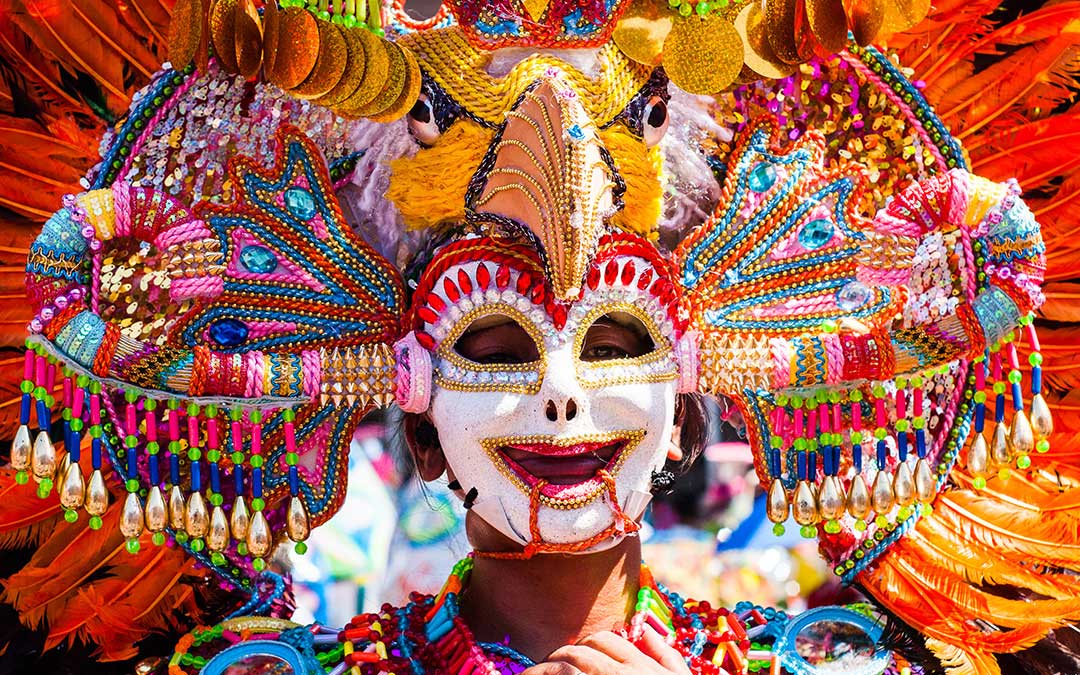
[[218, 536], [21, 448], [73, 488], [176, 508], [978, 459], [97, 495], [882, 497], [925, 483], [43, 458], [830, 498], [296, 521], [157, 514], [805, 506], [858, 501], [1021, 436], [1042, 422], [239, 520], [904, 485], [258, 536], [131, 518], [62, 470], [776, 505], [999, 445], [197, 518]]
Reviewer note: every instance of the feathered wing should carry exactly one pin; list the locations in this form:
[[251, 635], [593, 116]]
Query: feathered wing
[[987, 564]]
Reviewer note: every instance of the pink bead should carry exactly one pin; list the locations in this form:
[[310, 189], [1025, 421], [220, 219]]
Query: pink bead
[[151, 426], [39, 371], [256, 439], [290, 437], [174, 425], [812, 422], [997, 366], [823, 416], [67, 392], [879, 409], [837, 420], [193, 430], [1014, 361], [800, 422], [212, 438], [95, 409], [856, 417], [237, 435], [901, 404], [77, 403], [980, 375], [129, 419], [28, 365], [1033, 337], [917, 404], [50, 378]]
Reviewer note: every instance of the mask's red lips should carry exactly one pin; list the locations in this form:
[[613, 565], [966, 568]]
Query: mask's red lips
[[569, 471]]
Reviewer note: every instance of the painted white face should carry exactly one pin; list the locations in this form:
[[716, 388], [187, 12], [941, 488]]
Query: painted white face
[[595, 395]]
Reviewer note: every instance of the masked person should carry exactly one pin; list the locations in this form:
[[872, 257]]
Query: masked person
[[544, 248]]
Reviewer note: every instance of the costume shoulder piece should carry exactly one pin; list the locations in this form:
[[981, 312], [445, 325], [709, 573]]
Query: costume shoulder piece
[[293, 220]]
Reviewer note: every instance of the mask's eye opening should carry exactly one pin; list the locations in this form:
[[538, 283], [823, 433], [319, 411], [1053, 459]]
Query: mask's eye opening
[[616, 335], [497, 339], [422, 124], [654, 120]]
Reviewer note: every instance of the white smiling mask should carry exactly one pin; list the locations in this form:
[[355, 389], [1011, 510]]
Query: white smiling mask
[[597, 430]]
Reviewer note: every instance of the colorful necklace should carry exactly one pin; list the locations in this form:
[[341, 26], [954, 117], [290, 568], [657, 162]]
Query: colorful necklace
[[430, 636]]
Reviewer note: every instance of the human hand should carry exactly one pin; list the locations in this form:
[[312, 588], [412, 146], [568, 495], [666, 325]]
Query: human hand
[[609, 654]]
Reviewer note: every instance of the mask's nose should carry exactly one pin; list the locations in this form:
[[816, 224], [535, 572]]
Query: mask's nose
[[564, 410]]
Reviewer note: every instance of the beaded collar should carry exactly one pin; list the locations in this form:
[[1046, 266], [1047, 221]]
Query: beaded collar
[[429, 635]]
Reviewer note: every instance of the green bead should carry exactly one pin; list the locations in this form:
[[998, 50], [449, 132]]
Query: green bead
[[1015, 377], [1043, 445], [181, 537], [880, 433], [95, 431], [778, 529], [832, 527], [801, 444], [158, 538], [300, 548], [255, 416], [904, 513], [211, 410], [153, 448], [860, 525], [174, 447], [856, 396], [22, 478], [194, 454], [150, 404], [980, 397], [131, 396], [132, 546], [685, 9], [71, 515], [192, 409], [856, 437], [258, 504], [237, 457], [1023, 461], [216, 499], [917, 381], [217, 558], [881, 521], [999, 387], [902, 425], [1035, 359], [288, 414], [828, 326], [256, 461], [241, 548], [879, 391], [796, 402], [979, 483], [236, 414], [76, 424], [172, 404], [95, 522], [50, 401], [292, 459], [44, 487], [131, 441], [213, 455], [258, 564], [197, 545], [132, 485], [26, 387], [808, 531]]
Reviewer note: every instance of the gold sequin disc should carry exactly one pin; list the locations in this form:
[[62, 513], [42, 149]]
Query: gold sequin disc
[[703, 55], [641, 31], [330, 66]]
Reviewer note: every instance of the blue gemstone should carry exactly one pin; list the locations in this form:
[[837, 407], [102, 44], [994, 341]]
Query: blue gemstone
[[762, 177], [853, 295], [816, 234], [228, 332], [576, 133], [258, 259], [300, 203]]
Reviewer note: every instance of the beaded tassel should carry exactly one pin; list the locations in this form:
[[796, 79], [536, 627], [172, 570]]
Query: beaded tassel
[[999, 443], [73, 485], [903, 481], [239, 519], [131, 516], [804, 506], [925, 484], [296, 521], [21, 446], [777, 507], [1021, 436], [217, 538], [978, 458], [43, 454], [197, 517], [1042, 422], [97, 496], [882, 496], [176, 495], [157, 515], [259, 538], [858, 499]]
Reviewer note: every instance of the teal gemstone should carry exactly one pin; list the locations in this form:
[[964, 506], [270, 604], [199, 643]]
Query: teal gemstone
[[258, 259], [853, 295], [228, 332], [762, 177], [300, 203], [816, 234]]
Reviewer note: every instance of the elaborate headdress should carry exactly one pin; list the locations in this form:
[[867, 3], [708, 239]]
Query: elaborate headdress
[[229, 294]]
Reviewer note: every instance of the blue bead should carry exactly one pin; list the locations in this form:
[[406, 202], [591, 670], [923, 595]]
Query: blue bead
[[300, 203], [816, 234], [853, 295], [258, 259], [228, 332], [762, 177]]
